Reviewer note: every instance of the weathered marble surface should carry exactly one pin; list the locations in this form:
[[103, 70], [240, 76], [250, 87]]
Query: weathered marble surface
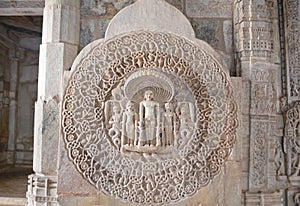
[[209, 8], [146, 15]]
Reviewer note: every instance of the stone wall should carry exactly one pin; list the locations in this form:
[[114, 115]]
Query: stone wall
[[15, 8], [211, 20]]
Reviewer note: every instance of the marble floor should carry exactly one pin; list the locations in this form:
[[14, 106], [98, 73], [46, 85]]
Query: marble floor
[[13, 187]]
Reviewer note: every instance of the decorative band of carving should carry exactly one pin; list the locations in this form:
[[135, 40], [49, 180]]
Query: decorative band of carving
[[154, 143], [292, 40]]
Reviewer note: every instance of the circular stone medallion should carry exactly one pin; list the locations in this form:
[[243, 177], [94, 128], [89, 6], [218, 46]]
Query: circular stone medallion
[[149, 117]]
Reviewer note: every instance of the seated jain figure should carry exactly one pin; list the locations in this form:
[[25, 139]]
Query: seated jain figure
[[149, 115]]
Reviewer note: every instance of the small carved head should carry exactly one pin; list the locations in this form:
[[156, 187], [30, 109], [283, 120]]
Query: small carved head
[[129, 106], [184, 109], [169, 106], [116, 109], [148, 95]]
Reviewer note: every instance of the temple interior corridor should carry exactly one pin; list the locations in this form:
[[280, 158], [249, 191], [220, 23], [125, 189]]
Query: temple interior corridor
[[20, 37]]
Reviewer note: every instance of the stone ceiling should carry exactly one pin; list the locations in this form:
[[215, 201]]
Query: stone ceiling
[[23, 26]]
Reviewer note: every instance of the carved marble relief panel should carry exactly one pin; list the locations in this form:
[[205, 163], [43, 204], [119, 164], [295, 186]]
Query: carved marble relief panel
[[149, 117], [263, 90], [256, 37], [258, 154], [292, 45], [263, 122], [291, 140]]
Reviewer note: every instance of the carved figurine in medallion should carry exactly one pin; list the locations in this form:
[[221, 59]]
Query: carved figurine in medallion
[[185, 118], [129, 126], [149, 114], [168, 123], [115, 122]]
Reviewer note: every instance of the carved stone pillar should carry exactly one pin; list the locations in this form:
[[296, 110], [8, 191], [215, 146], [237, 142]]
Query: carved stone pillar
[[292, 151], [59, 47], [290, 31], [14, 64], [256, 31]]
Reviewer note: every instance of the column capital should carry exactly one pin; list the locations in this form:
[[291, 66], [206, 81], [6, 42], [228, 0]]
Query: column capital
[[61, 21]]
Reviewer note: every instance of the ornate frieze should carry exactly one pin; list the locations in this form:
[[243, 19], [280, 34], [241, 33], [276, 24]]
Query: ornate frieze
[[263, 90], [262, 114], [292, 49], [258, 154], [149, 117]]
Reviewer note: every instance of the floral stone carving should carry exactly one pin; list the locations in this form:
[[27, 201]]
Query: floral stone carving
[[149, 117]]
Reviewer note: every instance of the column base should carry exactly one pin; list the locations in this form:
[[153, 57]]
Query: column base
[[42, 190], [263, 198]]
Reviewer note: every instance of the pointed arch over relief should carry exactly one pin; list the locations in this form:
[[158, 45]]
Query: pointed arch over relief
[[164, 138]]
